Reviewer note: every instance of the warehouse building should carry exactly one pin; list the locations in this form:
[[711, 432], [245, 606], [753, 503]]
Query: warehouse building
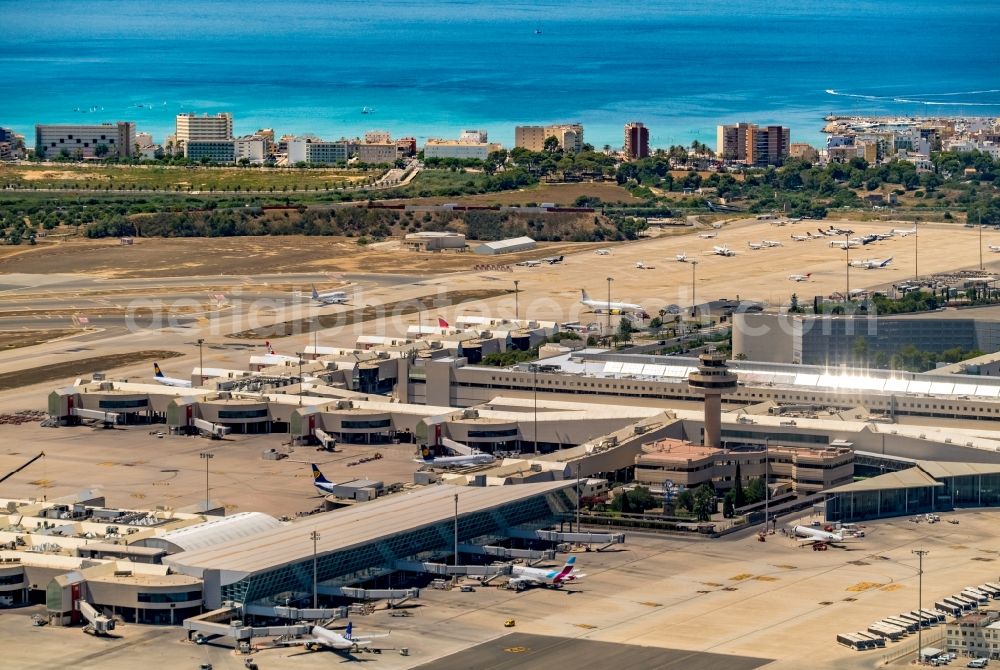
[[434, 241], [509, 246]]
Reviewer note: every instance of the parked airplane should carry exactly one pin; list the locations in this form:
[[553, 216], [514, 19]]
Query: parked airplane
[[523, 577], [529, 264], [329, 298], [872, 263], [613, 307], [995, 248], [708, 236], [802, 238], [681, 258], [322, 484], [903, 232], [642, 266], [552, 260], [804, 277], [721, 251], [169, 381], [842, 244], [324, 638], [816, 536], [603, 252], [466, 456], [840, 231], [755, 246], [771, 243]]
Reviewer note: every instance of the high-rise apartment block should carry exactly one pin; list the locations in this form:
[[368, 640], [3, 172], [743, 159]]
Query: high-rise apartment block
[[204, 128], [753, 144], [85, 141], [636, 140], [569, 137]]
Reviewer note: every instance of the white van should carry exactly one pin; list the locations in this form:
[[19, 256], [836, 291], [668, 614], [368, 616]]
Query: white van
[[978, 663]]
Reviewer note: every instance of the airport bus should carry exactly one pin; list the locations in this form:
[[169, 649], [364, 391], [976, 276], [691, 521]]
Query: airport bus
[[854, 642], [910, 626], [952, 609], [978, 596], [877, 640], [990, 590], [888, 630], [936, 615], [919, 621]]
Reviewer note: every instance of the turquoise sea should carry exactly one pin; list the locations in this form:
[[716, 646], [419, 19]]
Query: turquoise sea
[[434, 67]]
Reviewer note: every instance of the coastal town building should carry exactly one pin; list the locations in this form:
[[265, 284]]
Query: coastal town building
[[803, 151], [752, 144], [377, 153], [318, 152], [406, 147], [377, 137], [532, 138], [636, 140], [11, 145], [210, 151], [85, 141], [190, 127], [471, 144]]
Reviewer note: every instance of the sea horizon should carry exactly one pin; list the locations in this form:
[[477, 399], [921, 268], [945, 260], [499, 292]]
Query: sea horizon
[[435, 68]]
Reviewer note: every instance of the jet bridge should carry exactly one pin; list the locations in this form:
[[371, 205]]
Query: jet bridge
[[97, 623], [603, 539], [109, 418]]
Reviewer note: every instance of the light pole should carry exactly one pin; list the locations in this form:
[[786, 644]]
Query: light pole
[[767, 489], [610, 279], [847, 248], [578, 496], [201, 363], [920, 597], [916, 251], [456, 529], [534, 385], [694, 301], [517, 312], [206, 456], [314, 536], [300, 378], [980, 240]]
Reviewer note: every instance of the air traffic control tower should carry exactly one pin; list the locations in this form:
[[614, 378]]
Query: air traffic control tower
[[713, 379]]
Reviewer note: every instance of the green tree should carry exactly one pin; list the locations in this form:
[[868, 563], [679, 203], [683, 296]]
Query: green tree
[[739, 496], [728, 506], [685, 500], [755, 490], [551, 144], [703, 502], [625, 330]]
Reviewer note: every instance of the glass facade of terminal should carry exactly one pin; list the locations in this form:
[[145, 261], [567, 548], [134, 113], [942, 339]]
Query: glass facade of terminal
[[961, 491], [358, 564]]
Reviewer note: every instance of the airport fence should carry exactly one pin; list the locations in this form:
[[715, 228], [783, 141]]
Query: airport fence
[[931, 638]]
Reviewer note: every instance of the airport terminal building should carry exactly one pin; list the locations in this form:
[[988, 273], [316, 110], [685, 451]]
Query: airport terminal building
[[363, 542]]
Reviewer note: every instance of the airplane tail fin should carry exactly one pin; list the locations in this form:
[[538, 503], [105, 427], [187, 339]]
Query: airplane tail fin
[[315, 293], [425, 453], [887, 261], [267, 345], [808, 275], [567, 569], [584, 296], [349, 630], [442, 323], [156, 370], [318, 476]]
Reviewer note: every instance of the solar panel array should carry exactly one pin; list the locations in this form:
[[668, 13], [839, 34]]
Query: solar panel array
[[840, 382]]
